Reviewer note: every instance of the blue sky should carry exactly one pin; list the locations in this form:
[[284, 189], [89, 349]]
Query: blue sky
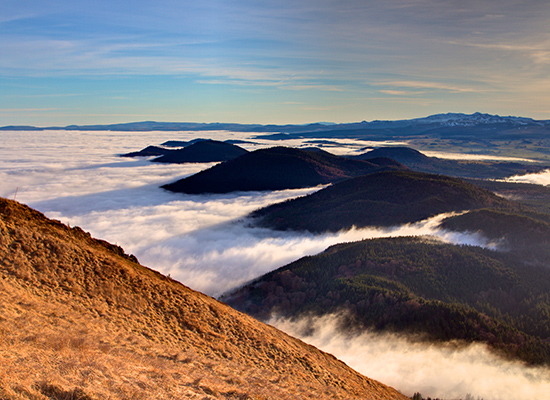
[[260, 61]]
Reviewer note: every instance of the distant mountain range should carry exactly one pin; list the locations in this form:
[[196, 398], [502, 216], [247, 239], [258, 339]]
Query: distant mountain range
[[80, 319], [433, 121]]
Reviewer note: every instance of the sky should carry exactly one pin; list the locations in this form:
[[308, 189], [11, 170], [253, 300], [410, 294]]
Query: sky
[[254, 61]]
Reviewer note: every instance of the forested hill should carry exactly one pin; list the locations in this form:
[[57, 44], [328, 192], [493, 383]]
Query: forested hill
[[381, 199], [487, 169], [278, 168], [80, 319], [525, 234], [202, 151], [415, 285]]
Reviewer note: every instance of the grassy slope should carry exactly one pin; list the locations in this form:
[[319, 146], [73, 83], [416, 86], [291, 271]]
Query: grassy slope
[[79, 319]]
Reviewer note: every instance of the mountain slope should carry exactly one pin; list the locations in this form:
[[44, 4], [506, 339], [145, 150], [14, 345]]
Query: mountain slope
[[79, 319], [526, 234], [439, 291], [381, 199], [202, 151], [278, 168]]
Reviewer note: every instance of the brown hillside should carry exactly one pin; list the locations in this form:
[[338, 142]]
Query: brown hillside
[[79, 319]]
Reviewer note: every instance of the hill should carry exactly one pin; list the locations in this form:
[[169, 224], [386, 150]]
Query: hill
[[278, 168], [534, 196], [80, 319], [202, 151], [381, 199], [148, 152], [435, 291], [525, 234], [417, 161]]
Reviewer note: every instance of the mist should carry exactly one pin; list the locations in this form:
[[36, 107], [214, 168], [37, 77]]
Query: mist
[[542, 178], [447, 371], [204, 241], [473, 157]]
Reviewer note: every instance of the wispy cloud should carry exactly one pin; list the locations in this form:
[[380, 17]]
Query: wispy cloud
[[398, 92], [427, 85], [440, 52], [539, 53], [542, 178]]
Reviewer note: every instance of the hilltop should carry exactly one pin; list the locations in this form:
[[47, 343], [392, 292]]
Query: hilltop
[[381, 199], [80, 319], [417, 161], [148, 152], [526, 234], [202, 151], [278, 168]]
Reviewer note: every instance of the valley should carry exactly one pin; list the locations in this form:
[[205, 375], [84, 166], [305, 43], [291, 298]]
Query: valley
[[404, 260]]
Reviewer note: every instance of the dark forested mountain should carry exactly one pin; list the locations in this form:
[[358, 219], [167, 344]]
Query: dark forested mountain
[[381, 199], [80, 319], [415, 285], [417, 161], [182, 143], [203, 151], [278, 168], [148, 152]]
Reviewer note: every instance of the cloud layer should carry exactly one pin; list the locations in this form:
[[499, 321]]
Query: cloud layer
[[542, 178], [448, 371], [203, 241]]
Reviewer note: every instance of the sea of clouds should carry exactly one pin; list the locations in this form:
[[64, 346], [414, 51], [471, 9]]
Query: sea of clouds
[[446, 371], [204, 241]]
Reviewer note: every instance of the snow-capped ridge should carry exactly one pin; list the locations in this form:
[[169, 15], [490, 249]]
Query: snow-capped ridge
[[460, 119]]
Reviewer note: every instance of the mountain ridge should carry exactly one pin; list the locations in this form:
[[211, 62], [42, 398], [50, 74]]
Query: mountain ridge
[[447, 119], [417, 161]]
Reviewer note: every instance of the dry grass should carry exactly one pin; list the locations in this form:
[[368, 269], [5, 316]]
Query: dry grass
[[80, 320]]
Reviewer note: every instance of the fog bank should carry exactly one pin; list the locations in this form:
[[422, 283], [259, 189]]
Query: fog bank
[[201, 240], [542, 178], [444, 371]]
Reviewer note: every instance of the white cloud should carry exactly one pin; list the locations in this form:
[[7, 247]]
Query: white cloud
[[542, 178], [202, 241], [447, 371]]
